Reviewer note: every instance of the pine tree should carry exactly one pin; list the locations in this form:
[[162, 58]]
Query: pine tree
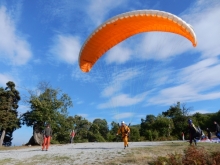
[[9, 121]]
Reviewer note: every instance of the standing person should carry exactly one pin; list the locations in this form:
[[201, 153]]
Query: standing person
[[209, 133], [217, 129], [72, 135], [183, 136], [124, 130], [47, 134], [194, 134]]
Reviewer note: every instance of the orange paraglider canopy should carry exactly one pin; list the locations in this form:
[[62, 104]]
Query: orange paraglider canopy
[[122, 26]]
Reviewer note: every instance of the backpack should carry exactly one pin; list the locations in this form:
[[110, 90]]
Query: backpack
[[218, 135], [198, 131]]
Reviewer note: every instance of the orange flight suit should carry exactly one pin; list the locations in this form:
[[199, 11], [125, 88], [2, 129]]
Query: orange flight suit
[[124, 130]]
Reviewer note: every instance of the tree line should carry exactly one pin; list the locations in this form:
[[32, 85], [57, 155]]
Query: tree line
[[49, 105]]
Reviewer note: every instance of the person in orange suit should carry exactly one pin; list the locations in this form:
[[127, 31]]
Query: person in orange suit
[[124, 130], [47, 135]]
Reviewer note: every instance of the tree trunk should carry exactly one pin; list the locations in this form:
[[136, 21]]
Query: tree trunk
[[2, 137], [37, 138]]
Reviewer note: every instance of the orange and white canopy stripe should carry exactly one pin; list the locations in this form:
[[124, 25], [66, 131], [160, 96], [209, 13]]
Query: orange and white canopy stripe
[[125, 25]]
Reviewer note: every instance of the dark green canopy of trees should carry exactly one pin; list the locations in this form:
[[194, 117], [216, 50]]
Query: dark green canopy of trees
[[9, 119], [49, 105]]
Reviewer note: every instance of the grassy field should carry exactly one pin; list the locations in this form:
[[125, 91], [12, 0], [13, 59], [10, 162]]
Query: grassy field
[[146, 155], [131, 156]]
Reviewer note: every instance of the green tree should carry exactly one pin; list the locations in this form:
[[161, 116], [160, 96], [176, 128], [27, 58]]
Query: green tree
[[147, 124], [82, 127], [113, 131], [163, 125], [134, 134], [214, 117], [48, 105], [179, 116], [148, 135], [9, 120], [102, 127], [98, 131], [94, 134]]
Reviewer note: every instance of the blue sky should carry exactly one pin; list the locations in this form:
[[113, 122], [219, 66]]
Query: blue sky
[[146, 74]]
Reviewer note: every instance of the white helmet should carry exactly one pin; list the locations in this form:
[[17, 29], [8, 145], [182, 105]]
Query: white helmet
[[122, 122]]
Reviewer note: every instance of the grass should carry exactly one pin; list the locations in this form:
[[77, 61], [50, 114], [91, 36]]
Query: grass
[[15, 147], [39, 159], [145, 155], [141, 156], [6, 161]]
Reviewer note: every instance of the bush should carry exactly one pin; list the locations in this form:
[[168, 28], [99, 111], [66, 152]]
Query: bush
[[142, 138], [148, 135], [192, 156], [155, 135], [216, 157], [54, 141], [95, 137], [165, 138], [134, 135]]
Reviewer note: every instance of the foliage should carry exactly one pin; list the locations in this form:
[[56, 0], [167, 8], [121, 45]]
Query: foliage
[[95, 137], [102, 127], [49, 105], [179, 116], [163, 125], [81, 126], [192, 156], [154, 127], [111, 136], [134, 135], [9, 119], [147, 125]]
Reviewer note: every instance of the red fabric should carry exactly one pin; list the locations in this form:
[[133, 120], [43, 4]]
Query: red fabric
[[46, 142], [73, 134]]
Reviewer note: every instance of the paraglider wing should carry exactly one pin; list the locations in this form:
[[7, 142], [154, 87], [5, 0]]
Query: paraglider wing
[[125, 25]]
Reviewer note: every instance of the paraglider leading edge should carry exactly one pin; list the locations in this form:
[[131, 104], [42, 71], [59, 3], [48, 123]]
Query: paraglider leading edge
[[125, 25]]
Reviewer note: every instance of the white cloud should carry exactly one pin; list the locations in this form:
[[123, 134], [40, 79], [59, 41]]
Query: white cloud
[[123, 100], [83, 115], [4, 78], [118, 55], [98, 9], [204, 17], [77, 74], [160, 46], [66, 48], [79, 102], [197, 82], [13, 48], [202, 111], [141, 116], [123, 116], [201, 80], [23, 108], [119, 81], [203, 75]]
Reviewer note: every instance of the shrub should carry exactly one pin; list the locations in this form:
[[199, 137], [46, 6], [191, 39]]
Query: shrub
[[155, 135], [192, 156], [197, 156], [216, 158]]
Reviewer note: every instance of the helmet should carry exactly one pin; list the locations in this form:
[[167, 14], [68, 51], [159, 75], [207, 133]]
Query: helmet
[[122, 122], [46, 124], [189, 121]]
